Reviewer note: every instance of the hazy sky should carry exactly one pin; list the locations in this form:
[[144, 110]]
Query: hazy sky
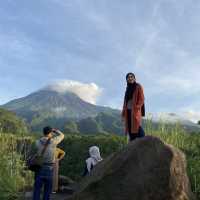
[[91, 45]]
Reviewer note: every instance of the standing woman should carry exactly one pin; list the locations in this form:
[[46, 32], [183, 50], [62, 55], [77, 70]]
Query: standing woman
[[132, 108], [59, 155]]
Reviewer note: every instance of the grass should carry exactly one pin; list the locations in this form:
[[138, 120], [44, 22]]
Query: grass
[[186, 142], [13, 176]]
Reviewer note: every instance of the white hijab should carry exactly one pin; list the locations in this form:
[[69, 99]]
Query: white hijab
[[95, 157]]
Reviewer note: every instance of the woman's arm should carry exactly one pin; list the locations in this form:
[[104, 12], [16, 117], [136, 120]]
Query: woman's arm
[[61, 153], [140, 97]]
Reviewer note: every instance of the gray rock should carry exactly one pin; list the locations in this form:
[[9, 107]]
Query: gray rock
[[147, 169]]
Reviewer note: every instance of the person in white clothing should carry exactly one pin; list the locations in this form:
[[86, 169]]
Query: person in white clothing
[[94, 158]]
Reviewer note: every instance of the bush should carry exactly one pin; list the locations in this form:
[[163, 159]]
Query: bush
[[188, 143], [76, 148], [13, 177], [10, 123]]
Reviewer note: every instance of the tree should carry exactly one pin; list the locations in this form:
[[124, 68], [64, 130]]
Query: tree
[[198, 122], [89, 126], [10, 123], [71, 127]]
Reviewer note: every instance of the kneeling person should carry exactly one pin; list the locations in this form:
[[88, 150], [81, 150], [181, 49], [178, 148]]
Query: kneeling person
[[94, 158]]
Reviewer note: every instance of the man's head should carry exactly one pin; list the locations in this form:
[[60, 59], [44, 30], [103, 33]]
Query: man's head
[[47, 131], [130, 77]]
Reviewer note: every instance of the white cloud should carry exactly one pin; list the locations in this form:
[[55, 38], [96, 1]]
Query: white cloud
[[158, 40], [192, 115], [191, 112], [87, 91]]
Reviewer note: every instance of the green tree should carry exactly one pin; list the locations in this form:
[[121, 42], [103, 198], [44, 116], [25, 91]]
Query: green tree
[[10, 123], [71, 127], [89, 126]]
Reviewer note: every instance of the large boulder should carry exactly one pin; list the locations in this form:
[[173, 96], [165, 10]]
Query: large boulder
[[66, 185], [147, 169]]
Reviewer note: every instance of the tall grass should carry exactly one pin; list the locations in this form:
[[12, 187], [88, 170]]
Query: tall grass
[[13, 176], [189, 143]]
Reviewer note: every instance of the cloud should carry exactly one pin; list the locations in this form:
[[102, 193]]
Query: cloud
[[158, 40], [87, 91], [191, 111], [192, 115]]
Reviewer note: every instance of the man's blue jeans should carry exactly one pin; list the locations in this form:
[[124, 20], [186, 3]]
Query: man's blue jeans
[[43, 177]]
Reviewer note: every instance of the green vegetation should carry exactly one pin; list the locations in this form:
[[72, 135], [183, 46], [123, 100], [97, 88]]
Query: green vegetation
[[89, 125], [14, 178], [45, 106], [188, 143], [10, 123], [71, 127], [104, 122], [76, 148]]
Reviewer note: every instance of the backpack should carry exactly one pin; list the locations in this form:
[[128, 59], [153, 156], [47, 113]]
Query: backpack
[[35, 161]]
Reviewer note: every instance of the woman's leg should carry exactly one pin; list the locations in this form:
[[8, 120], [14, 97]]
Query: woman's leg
[[55, 176], [141, 132], [129, 120], [132, 136]]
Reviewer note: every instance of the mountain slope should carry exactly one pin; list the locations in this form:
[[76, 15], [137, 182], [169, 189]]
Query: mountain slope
[[70, 113], [67, 105], [173, 118], [45, 106]]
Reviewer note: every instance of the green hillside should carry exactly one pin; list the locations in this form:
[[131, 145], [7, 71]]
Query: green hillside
[[50, 107], [10, 123]]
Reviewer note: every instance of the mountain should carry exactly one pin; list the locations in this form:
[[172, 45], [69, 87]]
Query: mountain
[[47, 106], [73, 115], [104, 122], [173, 118]]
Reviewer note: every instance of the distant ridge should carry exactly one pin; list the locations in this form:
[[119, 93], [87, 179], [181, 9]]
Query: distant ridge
[[54, 104], [68, 110], [44, 106]]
